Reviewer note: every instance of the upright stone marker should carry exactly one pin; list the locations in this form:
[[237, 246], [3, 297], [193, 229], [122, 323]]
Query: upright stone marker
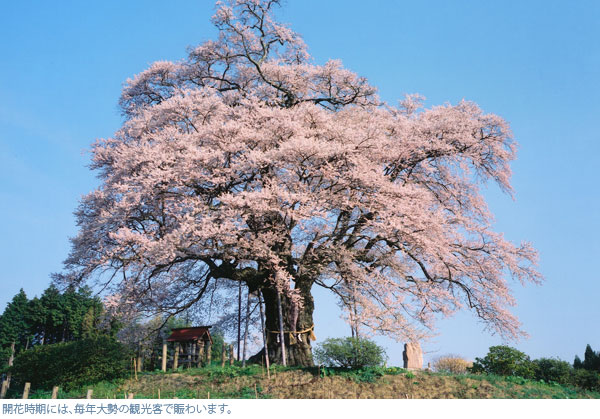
[[413, 356]]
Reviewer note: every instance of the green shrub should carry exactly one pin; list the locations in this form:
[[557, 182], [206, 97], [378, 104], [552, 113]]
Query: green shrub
[[505, 361], [72, 364], [349, 353], [589, 380], [553, 370]]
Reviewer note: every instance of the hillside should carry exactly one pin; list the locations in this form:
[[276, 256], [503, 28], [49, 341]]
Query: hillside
[[317, 383]]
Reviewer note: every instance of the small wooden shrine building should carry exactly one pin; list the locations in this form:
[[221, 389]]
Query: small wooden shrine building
[[192, 347]]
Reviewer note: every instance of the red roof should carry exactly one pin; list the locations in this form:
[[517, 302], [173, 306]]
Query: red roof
[[184, 334]]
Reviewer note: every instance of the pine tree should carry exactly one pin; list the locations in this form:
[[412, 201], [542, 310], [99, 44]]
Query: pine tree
[[14, 326], [51, 313], [591, 360]]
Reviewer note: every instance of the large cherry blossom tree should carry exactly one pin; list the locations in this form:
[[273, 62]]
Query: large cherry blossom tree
[[249, 162]]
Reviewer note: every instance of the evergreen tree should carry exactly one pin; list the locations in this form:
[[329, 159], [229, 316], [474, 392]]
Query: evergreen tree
[[577, 364], [14, 327], [52, 318], [51, 315], [591, 359]]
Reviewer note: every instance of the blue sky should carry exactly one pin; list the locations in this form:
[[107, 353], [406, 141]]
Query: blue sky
[[535, 63]]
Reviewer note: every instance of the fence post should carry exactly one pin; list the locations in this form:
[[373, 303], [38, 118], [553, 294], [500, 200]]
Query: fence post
[[164, 357], [26, 390], [55, 392]]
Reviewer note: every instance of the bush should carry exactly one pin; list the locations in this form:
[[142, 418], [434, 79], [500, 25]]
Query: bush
[[505, 361], [452, 364], [349, 353], [549, 369], [72, 364], [589, 380]]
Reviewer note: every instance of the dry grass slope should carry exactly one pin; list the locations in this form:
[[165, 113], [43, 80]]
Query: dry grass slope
[[290, 383], [301, 384]]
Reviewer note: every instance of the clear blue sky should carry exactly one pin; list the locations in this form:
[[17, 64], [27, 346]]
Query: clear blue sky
[[536, 63]]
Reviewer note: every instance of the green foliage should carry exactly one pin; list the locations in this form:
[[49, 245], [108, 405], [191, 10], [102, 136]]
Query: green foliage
[[587, 372], [14, 325], [505, 361], [577, 362], [349, 353], [553, 370], [218, 341], [72, 364], [360, 375], [65, 317], [52, 318], [589, 380], [591, 360]]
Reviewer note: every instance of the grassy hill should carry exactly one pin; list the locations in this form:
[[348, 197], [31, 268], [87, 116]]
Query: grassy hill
[[316, 383]]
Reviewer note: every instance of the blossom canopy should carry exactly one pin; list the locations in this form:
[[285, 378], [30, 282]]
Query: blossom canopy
[[248, 162]]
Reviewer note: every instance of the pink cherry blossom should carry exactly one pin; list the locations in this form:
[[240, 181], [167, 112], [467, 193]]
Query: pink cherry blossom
[[249, 162]]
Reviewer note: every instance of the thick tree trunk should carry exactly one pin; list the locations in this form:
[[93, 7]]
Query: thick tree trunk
[[297, 345]]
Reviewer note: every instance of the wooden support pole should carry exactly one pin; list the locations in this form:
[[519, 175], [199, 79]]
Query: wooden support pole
[[89, 393], [139, 359], [223, 350], [26, 390], [194, 354], [165, 354], [281, 335], [199, 354], [230, 354], [208, 353], [201, 361], [239, 320], [246, 329], [264, 332], [176, 357], [189, 354], [55, 392]]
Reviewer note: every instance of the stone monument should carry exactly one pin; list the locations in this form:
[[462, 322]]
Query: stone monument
[[413, 356]]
